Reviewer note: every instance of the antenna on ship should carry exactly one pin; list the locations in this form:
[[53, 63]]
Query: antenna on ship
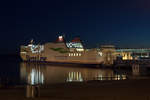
[[31, 42], [61, 38]]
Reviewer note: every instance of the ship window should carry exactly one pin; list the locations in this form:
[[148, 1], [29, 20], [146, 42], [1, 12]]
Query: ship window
[[74, 54], [77, 54], [100, 53]]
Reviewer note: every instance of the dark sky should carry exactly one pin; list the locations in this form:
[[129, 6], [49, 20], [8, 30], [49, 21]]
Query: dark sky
[[124, 23]]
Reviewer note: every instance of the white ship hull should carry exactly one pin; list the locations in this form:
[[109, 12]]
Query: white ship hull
[[58, 52]]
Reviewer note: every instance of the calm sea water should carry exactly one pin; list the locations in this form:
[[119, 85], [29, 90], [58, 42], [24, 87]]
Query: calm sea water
[[15, 72]]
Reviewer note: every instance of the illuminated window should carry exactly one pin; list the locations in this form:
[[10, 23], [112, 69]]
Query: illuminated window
[[23, 52], [74, 45], [79, 54], [80, 49], [100, 53], [76, 54], [37, 48]]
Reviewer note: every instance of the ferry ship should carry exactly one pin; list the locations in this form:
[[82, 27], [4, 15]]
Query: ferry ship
[[66, 52]]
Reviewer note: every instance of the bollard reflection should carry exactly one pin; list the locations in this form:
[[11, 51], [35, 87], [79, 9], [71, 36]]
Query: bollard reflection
[[34, 78], [32, 74], [32, 91]]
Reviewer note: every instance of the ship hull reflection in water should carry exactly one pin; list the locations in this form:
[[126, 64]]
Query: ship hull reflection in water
[[33, 73]]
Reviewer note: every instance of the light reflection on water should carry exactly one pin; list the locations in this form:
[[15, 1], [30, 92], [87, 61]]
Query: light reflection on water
[[32, 73]]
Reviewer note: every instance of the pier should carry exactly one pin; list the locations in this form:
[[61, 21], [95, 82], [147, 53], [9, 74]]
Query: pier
[[145, 63]]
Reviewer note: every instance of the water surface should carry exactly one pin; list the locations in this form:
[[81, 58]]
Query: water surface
[[33, 73], [15, 72]]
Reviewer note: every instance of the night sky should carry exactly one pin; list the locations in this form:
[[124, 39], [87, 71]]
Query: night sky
[[124, 23]]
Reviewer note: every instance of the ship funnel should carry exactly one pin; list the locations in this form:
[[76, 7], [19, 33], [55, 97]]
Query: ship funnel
[[31, 42], [60, 39]]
